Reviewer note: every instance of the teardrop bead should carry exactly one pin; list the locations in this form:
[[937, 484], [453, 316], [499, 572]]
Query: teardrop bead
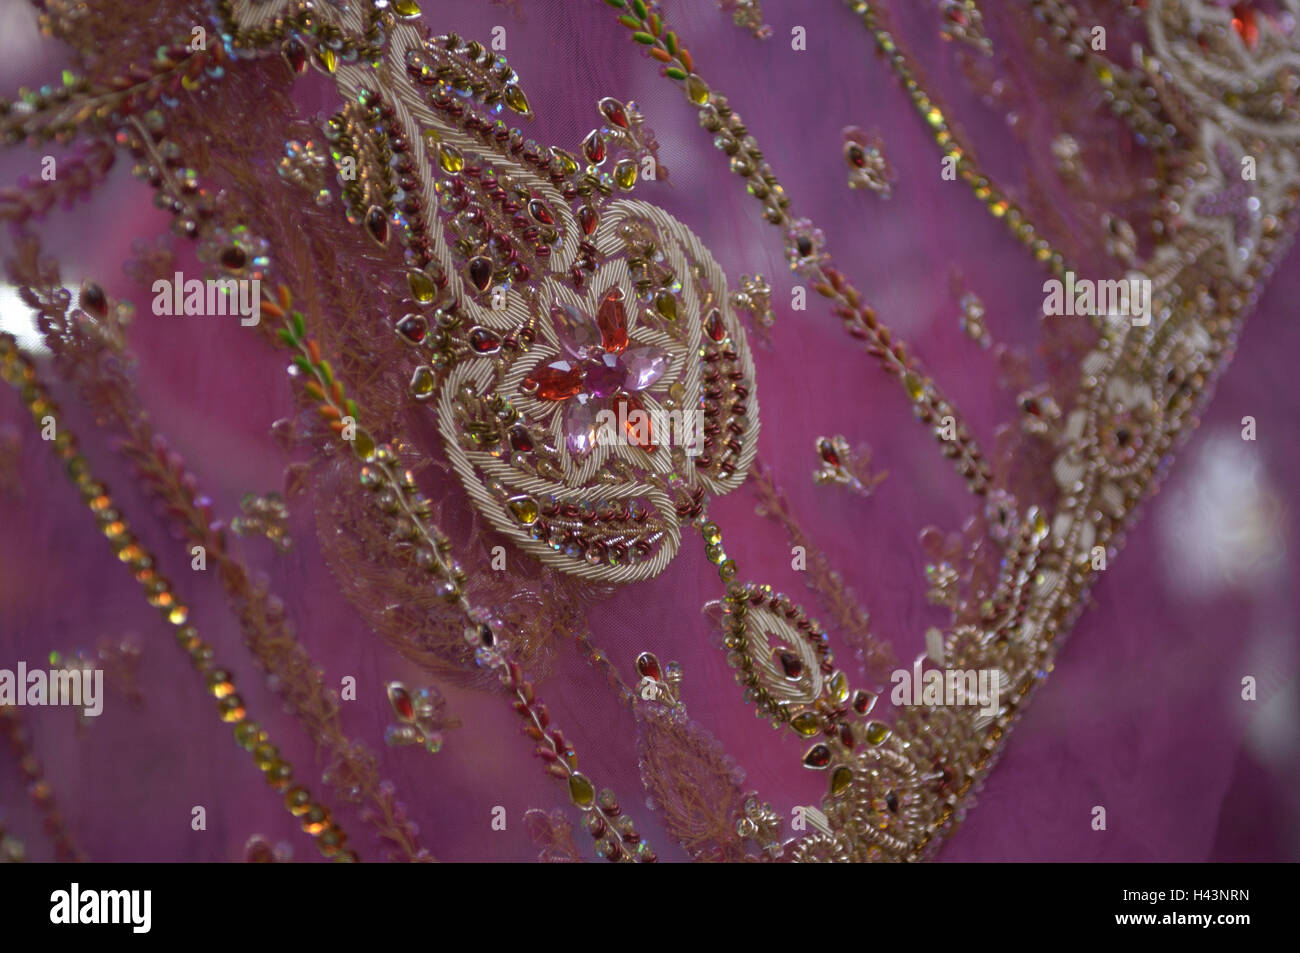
[[647, 666], [581, 791], [516, 100], [818, 756], [413, 328], [295, 54], [377, 224], [451, 159], [423, 382], [714, 327], [401, 700], [791, 664], [480, 272], [593, 147], [524, 509], [625, 174], [807, 723], [422, 287], [538, 210], [614, 111], [841, 779], [484, 341]]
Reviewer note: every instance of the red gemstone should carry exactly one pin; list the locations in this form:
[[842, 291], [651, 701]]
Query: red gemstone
[[791, 664], [484, 341], [480, 272], [401, 700], [93, 301], [593, 147], [613, 110], [818, 756], [377, 224], [647, 666], [612, 320], [538, 210], [521, 441], [846, 737], [295, 54], [587, 219], [714, 327], [856, 155], [558, 380], [862, 702], [413, 328], [828, 452], [1243, 21]]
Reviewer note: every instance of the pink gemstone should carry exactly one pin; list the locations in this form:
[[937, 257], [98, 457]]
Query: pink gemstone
[[580, 427], [645, 365], [612, 320], [578, 334], [605, 376]]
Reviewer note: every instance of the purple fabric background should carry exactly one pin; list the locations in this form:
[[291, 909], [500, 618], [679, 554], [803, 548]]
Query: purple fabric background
[[1143, 714]]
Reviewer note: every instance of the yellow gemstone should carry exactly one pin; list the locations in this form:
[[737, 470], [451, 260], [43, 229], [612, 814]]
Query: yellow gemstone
[[581, 791], [697, 91], [806, 724], [998, 208], [363, 445], [524, 508], [568, 164], [178, 615], [625, 174], [877, 732], [914, 385], [841, 778], [839, 688], [406, 9], [423, 289], [934, 117], [423, 383], [516, 100], [327, 58], [666, 305], [451, 159]]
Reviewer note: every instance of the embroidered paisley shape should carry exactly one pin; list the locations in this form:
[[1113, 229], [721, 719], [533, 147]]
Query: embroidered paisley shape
[[590, 377]]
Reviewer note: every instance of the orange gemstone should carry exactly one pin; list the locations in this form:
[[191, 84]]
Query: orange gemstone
[[558, 380], [612, 320], [636, 421]]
